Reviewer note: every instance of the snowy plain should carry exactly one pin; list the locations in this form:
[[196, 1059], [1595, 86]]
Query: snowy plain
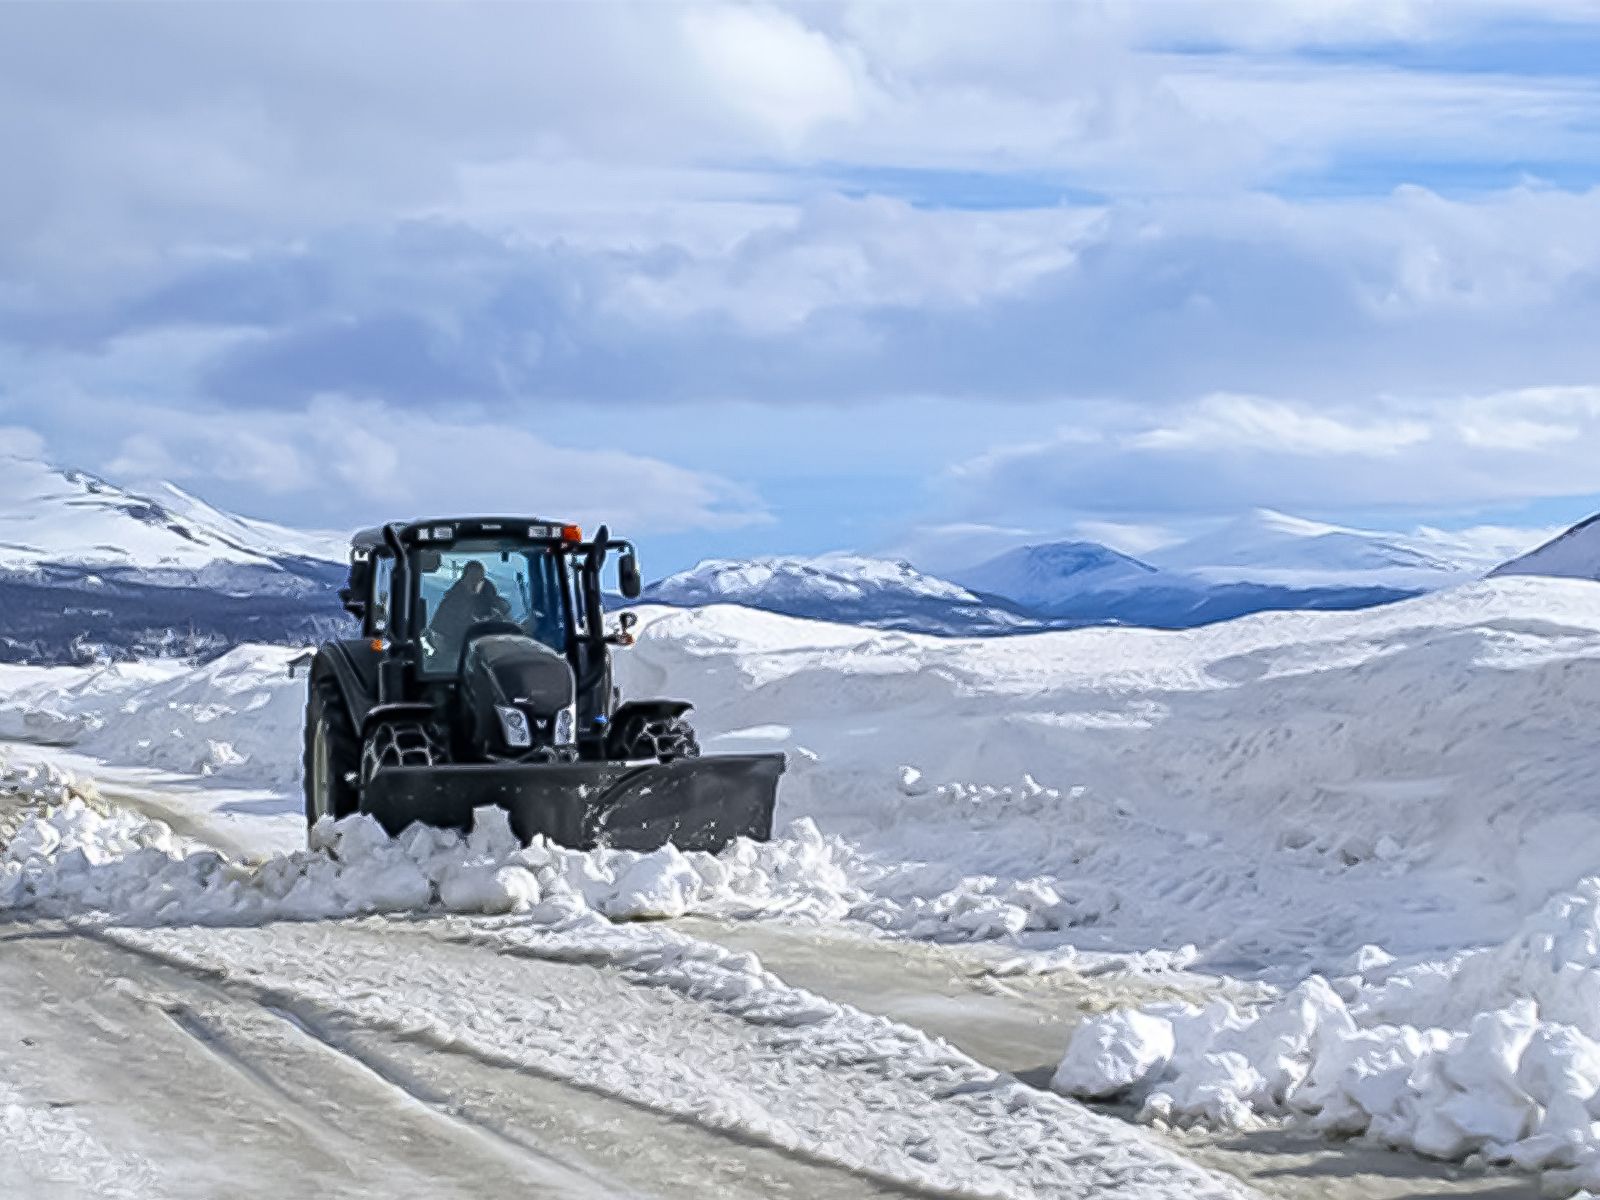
[[1377, 823]]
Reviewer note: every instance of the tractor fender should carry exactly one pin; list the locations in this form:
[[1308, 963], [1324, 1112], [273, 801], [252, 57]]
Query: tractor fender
[[353, 667], [654, 709], [650, 710]]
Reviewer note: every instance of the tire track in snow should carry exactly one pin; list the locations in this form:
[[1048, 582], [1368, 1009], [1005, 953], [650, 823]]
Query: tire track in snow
[[382, 1050], [482, 1140], [775, 1066], [220, 1097]]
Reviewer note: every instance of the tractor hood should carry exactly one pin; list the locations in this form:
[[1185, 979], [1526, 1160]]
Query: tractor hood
[[518, 695]]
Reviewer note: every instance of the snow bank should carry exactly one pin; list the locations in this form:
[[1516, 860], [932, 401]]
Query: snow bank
[[236, 717], [1277, 790], [1492, 1053]]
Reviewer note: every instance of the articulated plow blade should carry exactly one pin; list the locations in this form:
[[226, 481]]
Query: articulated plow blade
[[692, 803]]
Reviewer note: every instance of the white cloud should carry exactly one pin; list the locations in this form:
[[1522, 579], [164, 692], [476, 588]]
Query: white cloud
[[1228, 423], [1126, 536], [582, 215], [1283, 454], [768, 66], [347, 461], [233, 124]]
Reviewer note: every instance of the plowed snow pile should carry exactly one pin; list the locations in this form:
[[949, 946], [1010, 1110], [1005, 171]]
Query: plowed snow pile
[[1493, 1052], [63, 852]]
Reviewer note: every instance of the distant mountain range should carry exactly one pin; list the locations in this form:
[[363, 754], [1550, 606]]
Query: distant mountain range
[[92, 570], [1270, 547], [1263, 560]]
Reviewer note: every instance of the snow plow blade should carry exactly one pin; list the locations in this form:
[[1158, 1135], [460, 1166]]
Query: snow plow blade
[[692, 803]]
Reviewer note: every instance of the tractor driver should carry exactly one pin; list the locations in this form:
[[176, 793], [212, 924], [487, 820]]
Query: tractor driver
[[469, 600]]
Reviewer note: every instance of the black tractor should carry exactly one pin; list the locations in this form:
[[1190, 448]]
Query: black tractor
[[483, 677]]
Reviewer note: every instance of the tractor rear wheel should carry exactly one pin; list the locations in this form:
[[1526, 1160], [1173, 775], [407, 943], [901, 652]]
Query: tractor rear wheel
[[332, 755]]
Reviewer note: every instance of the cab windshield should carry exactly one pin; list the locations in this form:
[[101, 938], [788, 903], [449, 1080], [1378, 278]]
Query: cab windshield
[[474, 581]]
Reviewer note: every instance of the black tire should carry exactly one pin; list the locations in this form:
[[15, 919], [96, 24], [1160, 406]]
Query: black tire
[[332, 755], [665, 739]]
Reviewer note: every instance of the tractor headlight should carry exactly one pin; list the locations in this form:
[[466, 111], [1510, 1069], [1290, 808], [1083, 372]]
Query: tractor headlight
[[566, 725], [514, 725]]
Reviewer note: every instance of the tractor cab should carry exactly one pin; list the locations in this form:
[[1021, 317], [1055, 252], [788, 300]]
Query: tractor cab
[[430, 595]]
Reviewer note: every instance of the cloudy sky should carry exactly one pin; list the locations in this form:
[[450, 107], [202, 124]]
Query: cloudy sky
[[783, 278]]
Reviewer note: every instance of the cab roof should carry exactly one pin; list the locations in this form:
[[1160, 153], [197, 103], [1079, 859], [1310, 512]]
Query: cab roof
[[532, 528]]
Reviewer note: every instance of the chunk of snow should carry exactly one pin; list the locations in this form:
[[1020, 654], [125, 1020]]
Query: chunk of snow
[[1114, 1053], [660, 884]]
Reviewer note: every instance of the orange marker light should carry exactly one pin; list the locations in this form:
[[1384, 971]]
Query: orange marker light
[[571, 533], [377, 645]]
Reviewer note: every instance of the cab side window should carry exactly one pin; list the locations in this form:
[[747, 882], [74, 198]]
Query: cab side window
[[382, 595]]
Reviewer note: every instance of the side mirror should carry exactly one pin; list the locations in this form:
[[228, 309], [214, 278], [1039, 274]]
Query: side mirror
[[625, 621], [354, 604], [628, 576]]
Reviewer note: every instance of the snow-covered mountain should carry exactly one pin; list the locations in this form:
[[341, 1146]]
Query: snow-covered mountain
[[65, 521], [1270, 547], [1040, 576], [1574, 554], [90, 568], [1084, 583], [853, 588]]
